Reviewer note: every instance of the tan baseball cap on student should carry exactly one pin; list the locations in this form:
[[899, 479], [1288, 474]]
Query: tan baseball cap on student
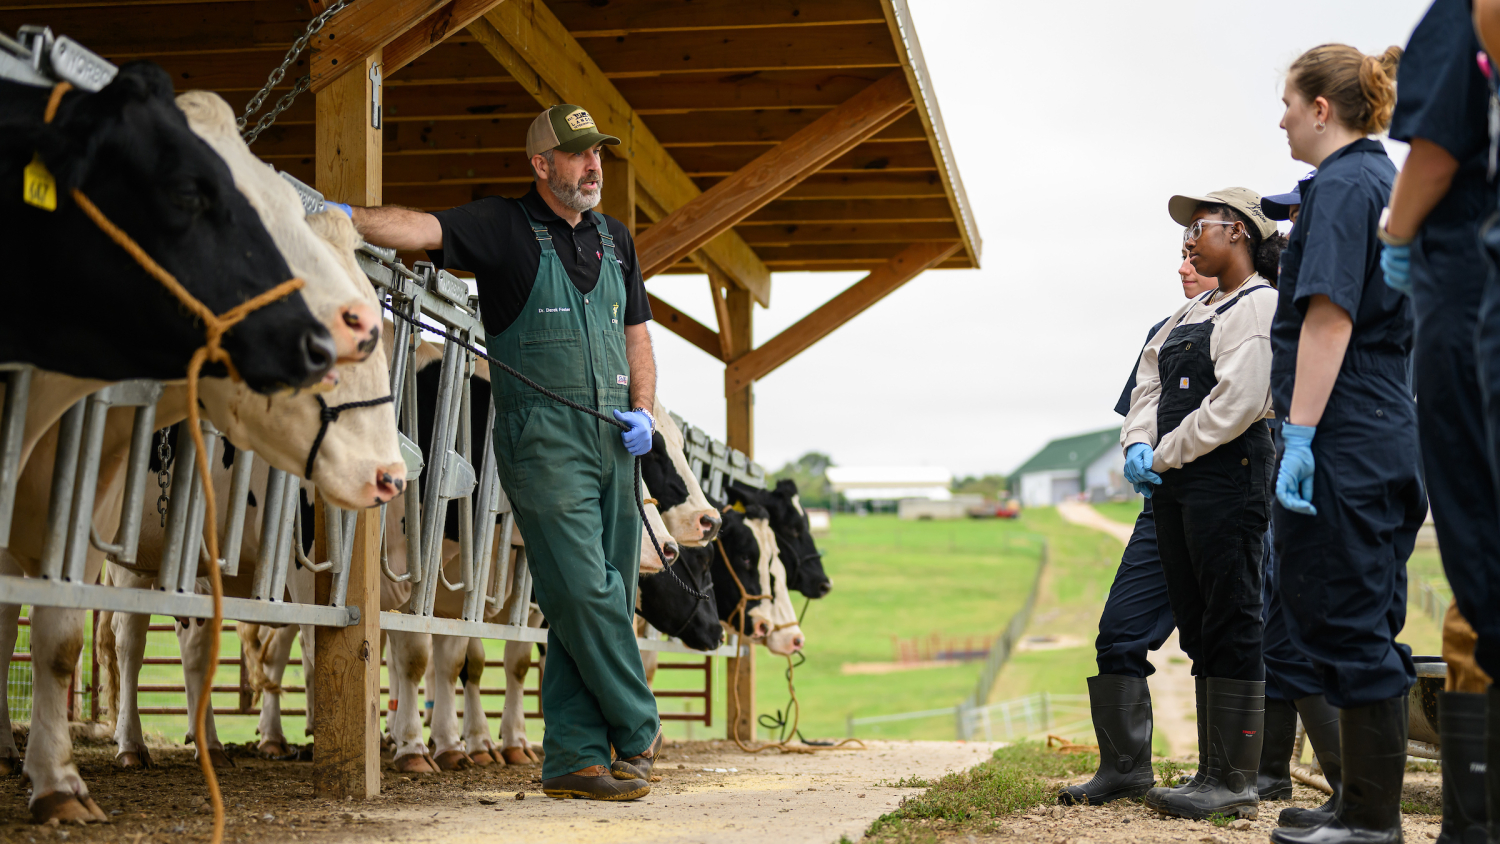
[[1243, 200], [565, 127]]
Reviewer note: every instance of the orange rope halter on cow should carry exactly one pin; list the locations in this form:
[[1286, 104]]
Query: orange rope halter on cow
[[737, 619], [214, 328]]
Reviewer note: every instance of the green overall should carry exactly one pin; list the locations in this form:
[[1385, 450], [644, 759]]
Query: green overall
[[569, 479]]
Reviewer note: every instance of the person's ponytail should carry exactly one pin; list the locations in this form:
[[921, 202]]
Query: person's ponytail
[[1361, 88], [1267, 256]]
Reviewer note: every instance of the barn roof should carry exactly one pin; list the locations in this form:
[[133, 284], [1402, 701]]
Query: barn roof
[[1073, 453]]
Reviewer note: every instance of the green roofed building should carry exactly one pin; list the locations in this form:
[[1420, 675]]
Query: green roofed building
[[1091, 465]]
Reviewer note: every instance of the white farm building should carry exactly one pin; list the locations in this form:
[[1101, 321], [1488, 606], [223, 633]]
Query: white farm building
[[1091, 464]]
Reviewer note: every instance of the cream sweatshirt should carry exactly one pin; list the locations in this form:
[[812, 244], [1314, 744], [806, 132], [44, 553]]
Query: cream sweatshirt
[[1241, 351]]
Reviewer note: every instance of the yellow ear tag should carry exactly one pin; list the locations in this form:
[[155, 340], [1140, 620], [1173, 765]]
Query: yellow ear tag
[[738, 507], [38, 187]]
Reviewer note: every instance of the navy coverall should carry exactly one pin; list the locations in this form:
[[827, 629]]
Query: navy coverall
[[1342, 572], [1137, 617], [1444, 99]]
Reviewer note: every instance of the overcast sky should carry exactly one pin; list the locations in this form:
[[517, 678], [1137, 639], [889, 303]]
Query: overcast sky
[[1072, 123]]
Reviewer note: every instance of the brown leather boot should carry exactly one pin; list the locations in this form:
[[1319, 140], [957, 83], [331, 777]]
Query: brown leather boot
[[595, 783], [638, 767]]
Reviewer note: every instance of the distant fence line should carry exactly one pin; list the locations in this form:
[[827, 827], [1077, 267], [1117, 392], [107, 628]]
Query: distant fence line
[[1003, 721], [1005, 644], [1432, 599]]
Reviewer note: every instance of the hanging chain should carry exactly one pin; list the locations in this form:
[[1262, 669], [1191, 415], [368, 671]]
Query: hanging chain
[[164, 475], [313, 27]]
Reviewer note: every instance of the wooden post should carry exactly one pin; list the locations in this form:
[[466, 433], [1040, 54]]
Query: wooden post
[[619, 191], [346, 755], [740, 411]]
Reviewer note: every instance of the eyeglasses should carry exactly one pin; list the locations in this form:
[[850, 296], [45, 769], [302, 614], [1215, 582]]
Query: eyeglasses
[[1195, 231]]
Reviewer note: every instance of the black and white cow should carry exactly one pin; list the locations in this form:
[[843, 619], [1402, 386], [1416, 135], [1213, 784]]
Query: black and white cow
[[130, 150], [794, 540]]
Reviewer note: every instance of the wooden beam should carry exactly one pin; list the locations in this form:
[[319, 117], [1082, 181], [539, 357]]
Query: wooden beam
[[717, 289], [346, 756], [530, 42], [814, 212], [747, 369], [590, 17], [362, 30], [739, 407], [773, 173], [743, 51], [450, 18], [685, 326], [845, 232], [618, 200]]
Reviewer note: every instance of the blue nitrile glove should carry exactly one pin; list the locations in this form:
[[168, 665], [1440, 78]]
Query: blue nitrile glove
[[638, 438], [1294, 480], [1395, 262], [1138, 458], [329, 206]]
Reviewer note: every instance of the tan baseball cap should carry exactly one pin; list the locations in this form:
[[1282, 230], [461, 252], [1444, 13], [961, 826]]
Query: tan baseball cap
[[1243, 200], [565, 127]]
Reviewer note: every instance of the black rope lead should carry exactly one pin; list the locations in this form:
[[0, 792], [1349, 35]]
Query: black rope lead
[[330, 415], [640, 505]]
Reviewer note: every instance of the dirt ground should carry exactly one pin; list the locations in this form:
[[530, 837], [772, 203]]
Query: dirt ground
[[708, 791]]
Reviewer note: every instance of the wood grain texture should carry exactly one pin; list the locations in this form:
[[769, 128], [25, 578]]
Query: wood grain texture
[[358, 31], [526, 38], [743, 50], [346, 756], [452, 17], [589, 17], [745, 370], [773, 173], [618, 200], [684, 326]]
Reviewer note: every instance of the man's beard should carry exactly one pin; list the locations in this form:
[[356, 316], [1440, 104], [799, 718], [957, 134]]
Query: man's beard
[[574, 196]]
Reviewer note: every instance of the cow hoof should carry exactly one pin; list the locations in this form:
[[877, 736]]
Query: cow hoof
[[415, 763], [66, 808], [134, 760], [519, 756], [219, 759], [482, 758], [274, 749], [454, 760], [10, 766]]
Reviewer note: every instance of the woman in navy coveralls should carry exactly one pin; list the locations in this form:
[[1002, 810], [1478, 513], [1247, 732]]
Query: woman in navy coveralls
[[1349, 493]]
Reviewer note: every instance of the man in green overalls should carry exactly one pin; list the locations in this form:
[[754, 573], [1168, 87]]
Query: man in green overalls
[[562, 301]]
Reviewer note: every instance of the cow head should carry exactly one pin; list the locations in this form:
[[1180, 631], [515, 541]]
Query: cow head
[[129, 149], [337, 292], [651, 563], [675, 611], [691, 520], [794, 541], [358, 463], [737, 548], [784, 634]]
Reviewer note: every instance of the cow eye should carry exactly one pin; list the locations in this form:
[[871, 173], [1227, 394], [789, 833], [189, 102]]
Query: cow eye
[[189, 196]]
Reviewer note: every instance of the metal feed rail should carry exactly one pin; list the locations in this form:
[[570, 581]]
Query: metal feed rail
[[716, 464]]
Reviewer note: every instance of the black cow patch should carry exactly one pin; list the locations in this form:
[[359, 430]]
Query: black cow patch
[[667, 487]]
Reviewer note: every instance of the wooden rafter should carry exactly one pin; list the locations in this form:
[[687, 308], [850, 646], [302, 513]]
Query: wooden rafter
[[453, 16], [837, 311], [685, 326], [773, 173], [530, 42], [359, 30]]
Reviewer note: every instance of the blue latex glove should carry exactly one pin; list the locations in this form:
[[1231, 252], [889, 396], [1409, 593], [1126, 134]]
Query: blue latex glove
[[638, 438], [1395, 262], [1138, 458], [1294, 480], [329, 206]]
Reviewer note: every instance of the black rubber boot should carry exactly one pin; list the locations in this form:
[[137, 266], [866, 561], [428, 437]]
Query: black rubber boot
[[1492, 760], [1236, 732], [1321, 720], [1154, 797], [1274, 782], [1373, 741], [1461, 723], [1122, 723]]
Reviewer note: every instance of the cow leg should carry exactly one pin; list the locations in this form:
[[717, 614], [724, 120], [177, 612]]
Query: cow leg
[[276, 652], [409, 655], [476, 725], [442, 673], [10, 628], [58, 790], [194, 639], [301, 589], [514, 747], [429, 698], [129, 652]]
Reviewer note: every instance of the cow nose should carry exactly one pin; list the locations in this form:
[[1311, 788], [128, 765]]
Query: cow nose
[[318, 354], [825, 588], [760, 630], [797, 642], [669, 551], [362, 322], [709, 521], [387, 485]]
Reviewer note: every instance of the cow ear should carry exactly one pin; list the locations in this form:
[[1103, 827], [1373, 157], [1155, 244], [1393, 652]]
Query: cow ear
[[142, 80], [786, 487], [755, 511]]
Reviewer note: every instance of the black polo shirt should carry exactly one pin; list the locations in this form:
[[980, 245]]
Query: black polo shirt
[[491, 239]]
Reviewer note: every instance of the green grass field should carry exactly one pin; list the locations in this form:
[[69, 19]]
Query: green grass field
[[892, 580]]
